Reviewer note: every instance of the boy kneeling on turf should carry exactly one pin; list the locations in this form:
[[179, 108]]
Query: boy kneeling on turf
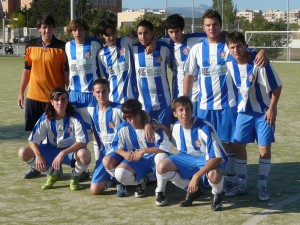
[[200, 153]]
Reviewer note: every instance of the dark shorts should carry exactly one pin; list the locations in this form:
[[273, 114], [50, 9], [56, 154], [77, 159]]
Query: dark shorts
[[33, 111]]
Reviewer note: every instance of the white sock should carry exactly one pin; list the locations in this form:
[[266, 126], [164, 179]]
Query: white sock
[[263, 171], [241, 172], [79, 169], [125, 177], [217, 188], [230, 170], [49, 170], [161, 181], [112, 172], [96, 150], [176, 179]]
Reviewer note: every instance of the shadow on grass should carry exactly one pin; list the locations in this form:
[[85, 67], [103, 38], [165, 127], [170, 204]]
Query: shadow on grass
[[14, 132]]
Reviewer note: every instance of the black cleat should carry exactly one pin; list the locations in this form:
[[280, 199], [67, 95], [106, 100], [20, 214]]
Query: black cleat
[[85, 176], [31, 173], [140, 190], [161, 199], [216, 204], [190, 197]]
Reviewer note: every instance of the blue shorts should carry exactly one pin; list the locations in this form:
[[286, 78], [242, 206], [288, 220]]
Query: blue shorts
[[252, 126], [223, 121], [49, 153], [84, 104], [141, 167], [100, 174], [162, 115]]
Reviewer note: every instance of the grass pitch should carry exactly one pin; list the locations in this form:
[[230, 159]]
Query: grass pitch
[[23, 202]]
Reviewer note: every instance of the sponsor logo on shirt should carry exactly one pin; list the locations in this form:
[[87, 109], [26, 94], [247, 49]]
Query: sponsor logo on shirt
[[159, 59], [216, 70], [186, 51], [223, 55], [251, 77]]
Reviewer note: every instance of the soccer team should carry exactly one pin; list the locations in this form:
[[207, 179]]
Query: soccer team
[[224, 96]]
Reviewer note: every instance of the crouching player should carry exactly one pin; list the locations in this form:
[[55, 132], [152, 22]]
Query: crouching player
[[133, 156], [200, 154], [259, 92], [58, 137]]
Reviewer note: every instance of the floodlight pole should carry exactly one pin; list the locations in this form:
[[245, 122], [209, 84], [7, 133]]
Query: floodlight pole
[[3, 30], [193, 19], [287, 30], [72, 9]]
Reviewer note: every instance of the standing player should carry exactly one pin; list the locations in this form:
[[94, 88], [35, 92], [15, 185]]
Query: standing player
[[152, 79], [133, 156], [116, 64], [259, 92], [58, 137], [82, 56], [46, 67], [200, 154], [180, 45]]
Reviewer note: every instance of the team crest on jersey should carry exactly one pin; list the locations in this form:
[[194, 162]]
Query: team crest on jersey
[[87, 54], [69, 129], [121, 52], [198, 143], [251, 77], [222, 55], [186, 51], [159, 59], [111, 124]]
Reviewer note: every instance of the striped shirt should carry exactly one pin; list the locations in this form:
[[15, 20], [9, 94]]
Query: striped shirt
[[59, 133], [152, 79], [117, 65], [178, 54], [255, 84], [216, 88], [200, 140], [83, 65]]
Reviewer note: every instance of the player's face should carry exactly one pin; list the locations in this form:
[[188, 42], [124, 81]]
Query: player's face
[[145, 35], [79, 35], [110, 37], [212, 28], [60, 104], [101, 93], [184, 115], [135, 121], [176, 35], [238, 50], [47, 32]]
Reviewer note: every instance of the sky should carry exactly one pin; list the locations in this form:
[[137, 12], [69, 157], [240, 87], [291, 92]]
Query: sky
[[263, 5]]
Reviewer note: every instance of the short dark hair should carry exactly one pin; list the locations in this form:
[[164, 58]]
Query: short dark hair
[[182, 100], [77, 23], [174, 21], [46, 20], [145, 23], [106, 24], [235, 37], [131, 107], [101, 81], [211, 14]]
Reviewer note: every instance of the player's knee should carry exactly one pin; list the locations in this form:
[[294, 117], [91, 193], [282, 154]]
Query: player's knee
[[108, 162], [97, 189], [214, 176], [25, 153], [161, 167], [84, 156]]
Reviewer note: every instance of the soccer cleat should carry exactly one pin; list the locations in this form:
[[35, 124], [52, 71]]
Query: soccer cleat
[[263, 194], [74, 183], [235, 190], [216, 204], [121, 190], [161, 199], [140, 189], [190, 197], [51, 180], [31, 173], [85, 176]]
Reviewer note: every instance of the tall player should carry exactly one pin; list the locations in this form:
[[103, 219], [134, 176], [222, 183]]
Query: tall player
[[82, 56], [259, 92], [116, 64], [151, 70]]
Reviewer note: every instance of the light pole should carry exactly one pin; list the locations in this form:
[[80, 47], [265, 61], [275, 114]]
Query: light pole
[[72, 9], [193, 19], [287, 29], [3, 30]]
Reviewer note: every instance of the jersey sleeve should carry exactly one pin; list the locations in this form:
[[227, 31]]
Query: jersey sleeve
[[39, 132], [163, 142], [268, 78], [190, 66], [80, 130]]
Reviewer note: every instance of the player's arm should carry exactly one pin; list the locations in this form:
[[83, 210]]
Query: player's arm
[[156, 125], [209, 165], [261, 58], [140, 153], [271, 113], [24, 82], [187, 84], [66, 74], [125, 154]]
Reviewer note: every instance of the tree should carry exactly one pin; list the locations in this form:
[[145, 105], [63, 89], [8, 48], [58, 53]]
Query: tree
[[156, 20], [226, 8]]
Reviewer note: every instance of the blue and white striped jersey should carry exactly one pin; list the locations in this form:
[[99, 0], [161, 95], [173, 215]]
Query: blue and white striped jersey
[[117, 65], [207, 60], [83, 64], [152, 79], [178, 54], [105, 124], [59, 133], [254, 83], [130, 139], [200, 140]]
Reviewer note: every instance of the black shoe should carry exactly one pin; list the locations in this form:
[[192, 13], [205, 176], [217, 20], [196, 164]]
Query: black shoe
[[31, 173], [216, 204], [140, 189], [161, 199], [190, 197], [85, 176]]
